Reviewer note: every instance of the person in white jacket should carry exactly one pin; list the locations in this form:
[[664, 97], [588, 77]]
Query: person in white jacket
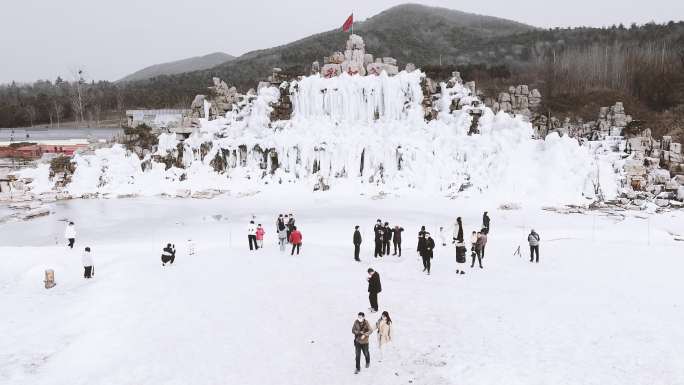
[[88, 266], [442, 236], [384, 328], [251, 236], [70, 234]]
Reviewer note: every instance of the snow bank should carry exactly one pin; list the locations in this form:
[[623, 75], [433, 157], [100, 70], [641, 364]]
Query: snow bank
[[367, 130]]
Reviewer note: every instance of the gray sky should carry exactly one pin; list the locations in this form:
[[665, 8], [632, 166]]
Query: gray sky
[[44, 38]]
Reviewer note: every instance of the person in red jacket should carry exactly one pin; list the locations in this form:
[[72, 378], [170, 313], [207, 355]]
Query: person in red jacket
[[295, 240], [260, 236]]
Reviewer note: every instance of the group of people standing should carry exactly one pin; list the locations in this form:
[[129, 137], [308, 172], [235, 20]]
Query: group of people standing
[[285, 228], [384, 237], [478, 242]]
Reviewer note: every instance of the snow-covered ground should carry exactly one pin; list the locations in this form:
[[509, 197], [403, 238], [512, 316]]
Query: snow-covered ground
[[604, 306]]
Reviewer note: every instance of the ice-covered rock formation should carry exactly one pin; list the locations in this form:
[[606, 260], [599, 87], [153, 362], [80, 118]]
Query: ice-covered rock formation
[[362, 133]]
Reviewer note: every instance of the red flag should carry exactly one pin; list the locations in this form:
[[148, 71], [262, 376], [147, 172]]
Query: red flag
[[348, 24]]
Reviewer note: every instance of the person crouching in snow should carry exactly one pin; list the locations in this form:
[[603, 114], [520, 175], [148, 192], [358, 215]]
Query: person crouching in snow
[[168, 254], [384, 328], [282, 237], [88, 267], [260, 236], [361, 331], [295, 240], [70, 234]]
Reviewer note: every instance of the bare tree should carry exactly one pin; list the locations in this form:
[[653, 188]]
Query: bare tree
[[120, 105], [78, 95], [59, 110], [96, 111], [31, 113]]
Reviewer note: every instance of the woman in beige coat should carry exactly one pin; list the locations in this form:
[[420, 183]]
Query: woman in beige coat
[[384, 328]]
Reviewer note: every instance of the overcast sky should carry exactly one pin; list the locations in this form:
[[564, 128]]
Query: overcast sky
[[41, 39]]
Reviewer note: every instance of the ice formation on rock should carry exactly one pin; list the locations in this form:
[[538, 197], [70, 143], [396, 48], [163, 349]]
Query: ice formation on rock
[[362, 133]]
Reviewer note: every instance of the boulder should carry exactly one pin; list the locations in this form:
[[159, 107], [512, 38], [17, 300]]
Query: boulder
[[375, 68], [661, 176], [331, 70], [662, 202], [336, 58], [672, 185]]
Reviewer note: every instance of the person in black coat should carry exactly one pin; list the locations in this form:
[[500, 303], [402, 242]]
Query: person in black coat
[[422, 242], [374, 287], [386, 238], [427, 253], [460, 247], [396, 239], [485, 223], [378, 230], [357, 243], [280, 223]]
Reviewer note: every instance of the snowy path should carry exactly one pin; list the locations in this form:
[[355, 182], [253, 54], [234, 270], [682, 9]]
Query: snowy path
[[603, 307]]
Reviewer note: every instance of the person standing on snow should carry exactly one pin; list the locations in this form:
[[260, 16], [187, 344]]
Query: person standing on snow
[[396, 239], [282, 237], [88, 267], [357, 243], [374, 287], [384, 328], [290, 225], [442, 236], [361, 331], [260, 236], [295, 240], [428, 252], [386, 238], [251, 236], [477, 253], [378, 230], [485, 223], [280, 223], [70, 234], [482, 238], [533, 239], [460, 247]]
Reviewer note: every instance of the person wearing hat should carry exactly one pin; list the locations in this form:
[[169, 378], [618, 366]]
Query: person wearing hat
[[362, 330]]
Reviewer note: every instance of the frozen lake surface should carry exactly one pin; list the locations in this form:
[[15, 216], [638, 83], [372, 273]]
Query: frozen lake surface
[[603, 307]]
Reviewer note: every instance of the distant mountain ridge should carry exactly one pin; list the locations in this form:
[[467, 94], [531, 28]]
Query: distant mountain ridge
[[196, 63], [410, 33]]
